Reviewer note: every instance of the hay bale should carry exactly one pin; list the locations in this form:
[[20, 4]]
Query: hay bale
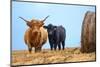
[[88, 34]]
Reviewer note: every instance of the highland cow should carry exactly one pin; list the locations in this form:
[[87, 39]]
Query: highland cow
[[35, 36]]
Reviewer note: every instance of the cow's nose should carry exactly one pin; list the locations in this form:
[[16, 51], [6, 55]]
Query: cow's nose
[[50, 33], [35, 32]]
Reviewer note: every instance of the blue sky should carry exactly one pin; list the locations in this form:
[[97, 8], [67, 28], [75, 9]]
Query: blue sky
[[69, 16]]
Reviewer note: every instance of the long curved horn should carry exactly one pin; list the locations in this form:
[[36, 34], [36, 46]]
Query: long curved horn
[[45, 18], [23, 19]]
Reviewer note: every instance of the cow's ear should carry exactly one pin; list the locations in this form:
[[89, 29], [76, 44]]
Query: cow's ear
[[55, 27], [45, 27], [29, 24]]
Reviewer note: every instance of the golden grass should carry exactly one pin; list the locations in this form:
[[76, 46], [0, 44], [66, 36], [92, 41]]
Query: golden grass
[[22, 57]]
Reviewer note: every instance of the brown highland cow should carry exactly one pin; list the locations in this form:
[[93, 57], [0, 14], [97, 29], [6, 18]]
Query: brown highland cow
[[35, 36]]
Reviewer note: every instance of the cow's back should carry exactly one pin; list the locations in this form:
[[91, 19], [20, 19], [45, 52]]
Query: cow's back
[[60, 33]]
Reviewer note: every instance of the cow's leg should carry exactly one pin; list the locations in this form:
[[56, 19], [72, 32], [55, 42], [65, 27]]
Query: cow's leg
[[37, 49], [51, 46], [55, 46], [59, 46], [63, 44], [29, 47]]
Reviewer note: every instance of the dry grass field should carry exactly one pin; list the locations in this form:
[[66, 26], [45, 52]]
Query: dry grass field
[[22, 57]]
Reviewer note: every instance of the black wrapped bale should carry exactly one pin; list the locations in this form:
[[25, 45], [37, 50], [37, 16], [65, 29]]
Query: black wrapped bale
[[88, 34]]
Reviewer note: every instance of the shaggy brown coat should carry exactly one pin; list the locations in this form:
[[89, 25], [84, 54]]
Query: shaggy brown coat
[[35, 36]]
